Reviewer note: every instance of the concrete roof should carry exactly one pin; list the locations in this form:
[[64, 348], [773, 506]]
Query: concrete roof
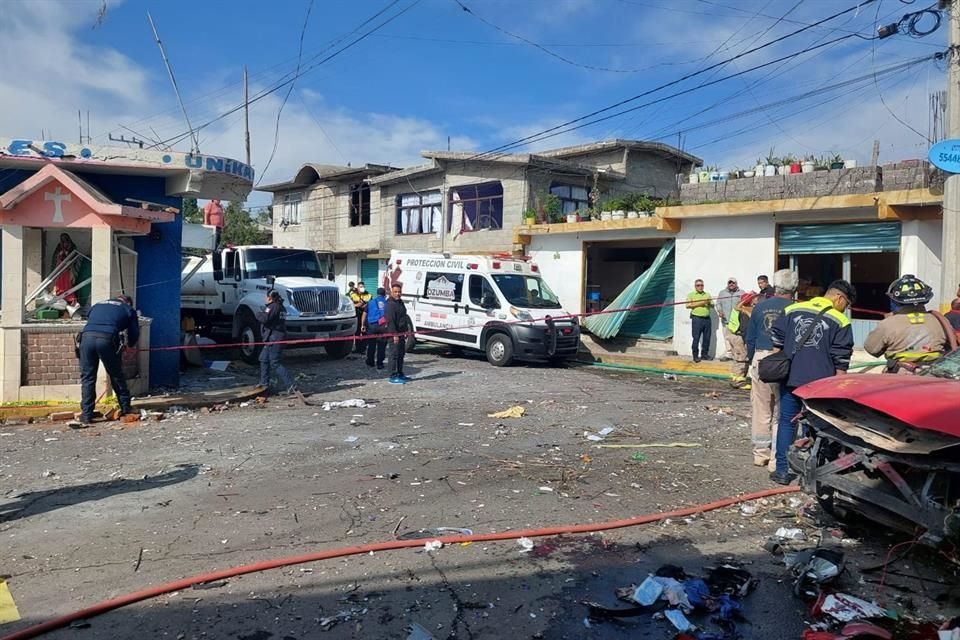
[[520, 159], [605, 145], [312, 173], [404, 174]]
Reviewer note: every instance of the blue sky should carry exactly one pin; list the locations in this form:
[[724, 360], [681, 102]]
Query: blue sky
[[437, 71]]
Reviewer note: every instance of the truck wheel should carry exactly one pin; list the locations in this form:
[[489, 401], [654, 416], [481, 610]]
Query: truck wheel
[[249, 337], [411, 340], [499, 350], [339, 350]]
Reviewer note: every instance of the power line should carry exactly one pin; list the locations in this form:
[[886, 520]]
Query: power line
[[276, 132], [550, 130]]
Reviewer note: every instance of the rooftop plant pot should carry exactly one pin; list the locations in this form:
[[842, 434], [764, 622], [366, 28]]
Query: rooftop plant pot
[[572, 217], [619, 214], [836, 165], [606, 215], [633, 214], [748, 174], [796, 167], [849, 164], [694, 178], [807, 167], [770, 170]]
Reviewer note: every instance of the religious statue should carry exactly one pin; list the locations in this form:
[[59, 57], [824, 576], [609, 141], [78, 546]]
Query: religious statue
[[67, 279]]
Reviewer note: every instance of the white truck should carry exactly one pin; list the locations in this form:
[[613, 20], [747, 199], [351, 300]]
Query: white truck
[[221, 291], [497, 304]]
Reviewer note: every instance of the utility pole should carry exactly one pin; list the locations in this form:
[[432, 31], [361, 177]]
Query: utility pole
[[246, 112], [80, 123], [950, 249]]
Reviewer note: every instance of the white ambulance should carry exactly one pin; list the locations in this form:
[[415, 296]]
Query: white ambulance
[[497, 304]]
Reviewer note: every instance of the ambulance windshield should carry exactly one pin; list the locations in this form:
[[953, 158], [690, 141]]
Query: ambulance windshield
[[529, 292]]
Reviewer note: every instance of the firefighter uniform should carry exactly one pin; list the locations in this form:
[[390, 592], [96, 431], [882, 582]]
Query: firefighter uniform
[[907, 336]]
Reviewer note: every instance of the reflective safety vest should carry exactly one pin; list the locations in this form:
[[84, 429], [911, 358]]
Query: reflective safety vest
[[734, 326]]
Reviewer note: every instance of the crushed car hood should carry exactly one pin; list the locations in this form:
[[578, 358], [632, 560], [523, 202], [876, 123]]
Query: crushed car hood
[[932, 404]]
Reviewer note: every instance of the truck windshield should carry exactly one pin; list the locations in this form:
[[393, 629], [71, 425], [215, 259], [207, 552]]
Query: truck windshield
[[261, 263], [947, 366], [529, 292]]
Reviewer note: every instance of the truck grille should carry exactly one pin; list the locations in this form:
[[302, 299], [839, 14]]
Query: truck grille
[[312, 301]]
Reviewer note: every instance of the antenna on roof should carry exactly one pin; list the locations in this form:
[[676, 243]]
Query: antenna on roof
[[173, 81]]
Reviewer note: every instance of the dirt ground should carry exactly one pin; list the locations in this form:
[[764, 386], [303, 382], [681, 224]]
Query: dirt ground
[[90, 515]]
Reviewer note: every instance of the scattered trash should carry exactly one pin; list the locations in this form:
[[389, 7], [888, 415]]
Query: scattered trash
[[678, 620], [347, 404], [546, 489], [598, 436], [351, 439], [670, 376], [433, 545], [814, 566], [648, 592], [423, 534], [732, 580], [748, 509], [597, 611], [48, 473], [785, 533], [526, 545], [512, 412], [419, 633], [652, 445], [639, 456], [217, 365], [341, 616], [846, 608]]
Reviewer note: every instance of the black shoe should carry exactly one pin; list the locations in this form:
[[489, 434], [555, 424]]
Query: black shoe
[[380, 367], [370, 364], [708, 358], [781, 478], [696, 359]]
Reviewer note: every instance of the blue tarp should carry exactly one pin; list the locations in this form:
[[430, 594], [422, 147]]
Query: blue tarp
[[654, 287]]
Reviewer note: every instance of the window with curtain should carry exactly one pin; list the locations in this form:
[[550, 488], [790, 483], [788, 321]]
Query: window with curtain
[[291, 207], [480, 206], [572, 198], [418, 213]]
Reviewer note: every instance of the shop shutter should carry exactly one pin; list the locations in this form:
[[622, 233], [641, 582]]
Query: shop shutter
[[369, 270], [849, 237]]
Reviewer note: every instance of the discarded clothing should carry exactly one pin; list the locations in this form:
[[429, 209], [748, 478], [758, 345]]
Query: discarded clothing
[[512, 412]]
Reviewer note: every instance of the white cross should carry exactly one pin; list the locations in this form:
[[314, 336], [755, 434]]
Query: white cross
[[57, 197]]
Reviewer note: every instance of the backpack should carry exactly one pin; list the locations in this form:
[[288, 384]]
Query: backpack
[[376, 311]]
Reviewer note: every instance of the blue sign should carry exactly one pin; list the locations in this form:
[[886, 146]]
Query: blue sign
[[946, 155]]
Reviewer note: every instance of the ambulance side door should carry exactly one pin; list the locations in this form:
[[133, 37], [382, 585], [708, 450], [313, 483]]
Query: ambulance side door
[[481, 304], [440, 311]]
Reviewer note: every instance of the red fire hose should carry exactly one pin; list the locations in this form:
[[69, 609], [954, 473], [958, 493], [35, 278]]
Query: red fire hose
[[186, 583]]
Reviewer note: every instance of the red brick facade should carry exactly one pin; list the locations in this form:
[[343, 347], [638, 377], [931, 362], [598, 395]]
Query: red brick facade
[[48, 358]]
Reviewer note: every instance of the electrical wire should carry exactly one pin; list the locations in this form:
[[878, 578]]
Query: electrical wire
[[536, 137], [276, 132]]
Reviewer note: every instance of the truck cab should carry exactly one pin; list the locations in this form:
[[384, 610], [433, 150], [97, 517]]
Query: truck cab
[[497, 304], [222, 291]]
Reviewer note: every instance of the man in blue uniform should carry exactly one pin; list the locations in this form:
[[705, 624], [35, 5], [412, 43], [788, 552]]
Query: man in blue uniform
[[101, 341], [273, 317]]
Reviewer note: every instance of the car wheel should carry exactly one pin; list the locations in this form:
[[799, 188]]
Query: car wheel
[[339, 350], [499, 350]]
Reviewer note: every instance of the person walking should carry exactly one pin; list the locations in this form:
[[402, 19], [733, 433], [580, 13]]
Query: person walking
[[725, 301], [374, 322], [910, 336], [765, 396], [397, 325], [273, 317], [737, 328], [819, 339], [699, 303], [101, 340]]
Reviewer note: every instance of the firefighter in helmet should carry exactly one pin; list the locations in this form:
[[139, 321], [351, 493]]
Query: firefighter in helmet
[[910, 335]]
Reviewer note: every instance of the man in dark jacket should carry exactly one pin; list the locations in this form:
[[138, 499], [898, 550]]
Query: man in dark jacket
[[825, 352], [397, 324], [101, 341], [274, 331]]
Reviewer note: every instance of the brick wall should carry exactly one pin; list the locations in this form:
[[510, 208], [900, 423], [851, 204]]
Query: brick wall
[[48, 359], [909, 174]]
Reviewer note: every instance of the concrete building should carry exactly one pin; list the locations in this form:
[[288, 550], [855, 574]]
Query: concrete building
[[457, 202], [867, 225], [118, 208]]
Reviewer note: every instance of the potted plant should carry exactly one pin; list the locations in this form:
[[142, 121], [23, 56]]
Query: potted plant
[[694, 177], [530, 216], [808, 164], [822, 163], [714, 173], [850, 164], [749, 173], [836, 162], [758, 168], [551, 207], [704, 174], [773, 162]]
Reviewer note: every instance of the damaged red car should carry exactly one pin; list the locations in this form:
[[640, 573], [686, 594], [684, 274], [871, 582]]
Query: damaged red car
[[886, 447]]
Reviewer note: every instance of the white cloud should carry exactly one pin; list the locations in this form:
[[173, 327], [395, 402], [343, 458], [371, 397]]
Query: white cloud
[[47, 84]]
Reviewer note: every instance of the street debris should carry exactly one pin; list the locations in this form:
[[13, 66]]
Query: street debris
[[526, 545], [847, 608], [639, 456], [670, 376], [672, 594], [786, 533], [513, 412], [356, 403], [598, 436], [419, 633], [648, 445], [433, 545], [423, 534], [346, 615]]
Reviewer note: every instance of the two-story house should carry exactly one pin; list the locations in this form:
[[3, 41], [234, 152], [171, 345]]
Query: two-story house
[[458, 202]]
